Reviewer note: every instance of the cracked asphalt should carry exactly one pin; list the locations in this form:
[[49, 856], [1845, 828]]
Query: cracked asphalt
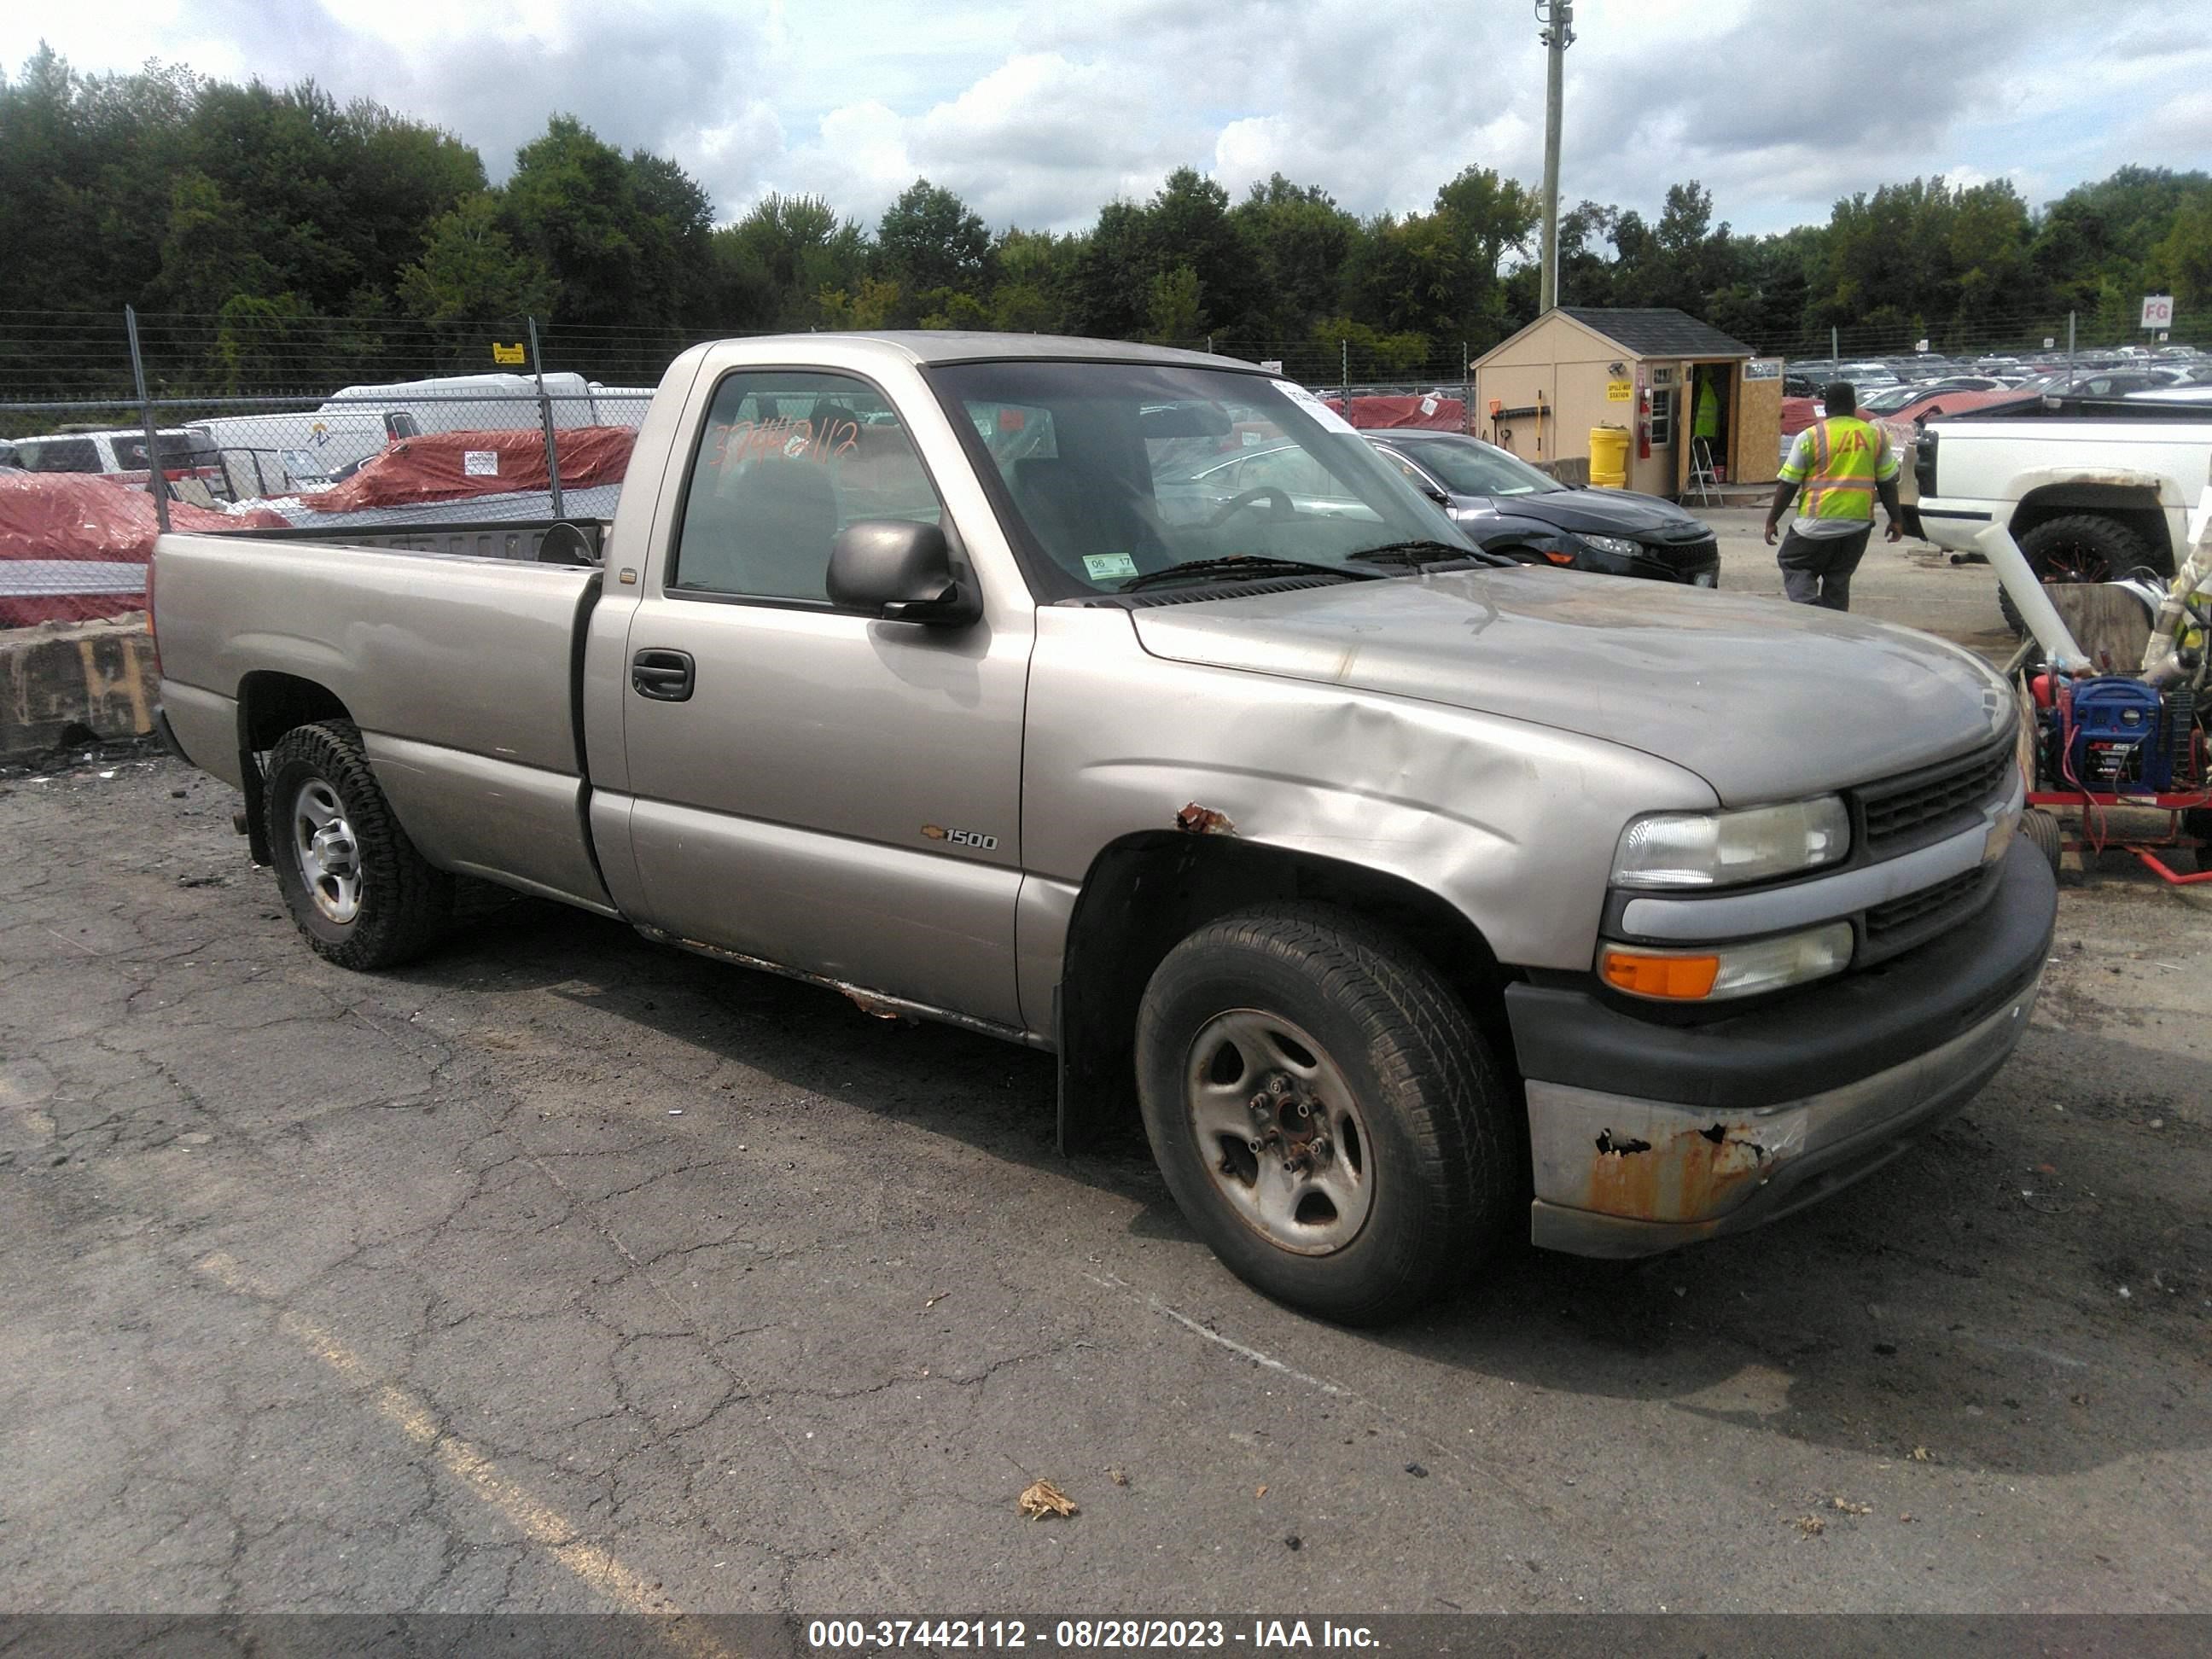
[[562, 1273]]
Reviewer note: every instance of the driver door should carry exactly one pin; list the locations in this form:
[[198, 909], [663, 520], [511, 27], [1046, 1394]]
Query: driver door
[[814, 787]]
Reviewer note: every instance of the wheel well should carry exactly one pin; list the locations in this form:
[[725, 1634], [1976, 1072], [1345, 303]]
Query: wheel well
[[2135, 509], [1146, 893], [271, 704]]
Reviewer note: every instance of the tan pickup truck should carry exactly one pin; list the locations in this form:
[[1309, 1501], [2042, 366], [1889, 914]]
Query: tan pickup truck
[[1411, 895]]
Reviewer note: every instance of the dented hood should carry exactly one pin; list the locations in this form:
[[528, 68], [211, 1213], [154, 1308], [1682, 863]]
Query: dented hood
[[1762, 699]]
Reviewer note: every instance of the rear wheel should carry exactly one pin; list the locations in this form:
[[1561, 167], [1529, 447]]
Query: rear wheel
[[360, 892], [1325, 1112], [2083, 547]]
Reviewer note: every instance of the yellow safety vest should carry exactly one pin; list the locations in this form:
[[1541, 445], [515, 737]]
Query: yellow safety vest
[[1838, 461]]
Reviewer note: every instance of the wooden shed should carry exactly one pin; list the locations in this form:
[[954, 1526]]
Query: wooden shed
[[1541, 392]]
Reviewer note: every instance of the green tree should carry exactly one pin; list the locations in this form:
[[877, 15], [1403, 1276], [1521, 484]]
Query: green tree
[[1175, 316], [874, 306], [470, 270], [1302, 239], [1032, 271], [774, 264], [627, 237], [2183, 258], [929, 240], [210, 252]]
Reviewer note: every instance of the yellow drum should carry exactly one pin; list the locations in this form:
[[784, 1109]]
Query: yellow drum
[[1609, 448]]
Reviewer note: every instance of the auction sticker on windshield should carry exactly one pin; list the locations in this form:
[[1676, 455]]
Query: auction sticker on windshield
[[1104, 566], [1330, 419]]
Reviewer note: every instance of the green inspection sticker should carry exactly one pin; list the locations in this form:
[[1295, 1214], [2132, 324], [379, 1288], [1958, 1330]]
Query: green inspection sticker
[[1104, 566]]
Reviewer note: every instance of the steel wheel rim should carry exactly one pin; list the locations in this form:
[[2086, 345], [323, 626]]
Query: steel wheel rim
[[1280, 1132], [328, 856]]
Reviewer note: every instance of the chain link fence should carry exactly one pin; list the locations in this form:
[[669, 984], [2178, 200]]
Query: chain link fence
[[113, 431], [113, 427]]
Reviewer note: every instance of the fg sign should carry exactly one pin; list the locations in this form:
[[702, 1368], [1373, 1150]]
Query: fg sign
[[2158, 311]]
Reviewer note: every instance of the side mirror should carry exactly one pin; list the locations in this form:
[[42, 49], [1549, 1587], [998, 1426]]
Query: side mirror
[[902, 571]]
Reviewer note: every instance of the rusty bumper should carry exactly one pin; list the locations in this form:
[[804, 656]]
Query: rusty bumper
[[1762, 1114]]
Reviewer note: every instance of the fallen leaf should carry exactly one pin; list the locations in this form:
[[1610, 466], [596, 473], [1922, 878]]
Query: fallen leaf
[[939, 1297], [1850, 1507], [1119, 1477], [1041, 1499], [1908, 1515], [1921, 1454], [1811, 1525], [1262, 1493]]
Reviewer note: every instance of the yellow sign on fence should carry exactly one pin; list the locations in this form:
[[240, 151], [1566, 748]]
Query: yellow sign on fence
[[506, 354]]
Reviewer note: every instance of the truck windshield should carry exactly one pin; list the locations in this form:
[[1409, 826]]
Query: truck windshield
[[1121, 472]]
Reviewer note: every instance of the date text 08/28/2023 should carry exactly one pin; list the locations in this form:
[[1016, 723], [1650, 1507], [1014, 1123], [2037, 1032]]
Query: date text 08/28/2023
[[1083, 1635]]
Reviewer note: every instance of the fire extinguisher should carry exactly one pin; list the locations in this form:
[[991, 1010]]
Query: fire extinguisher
[[1643, 422]]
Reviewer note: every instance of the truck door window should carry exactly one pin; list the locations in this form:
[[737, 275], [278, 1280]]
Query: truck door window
[[787, 461]]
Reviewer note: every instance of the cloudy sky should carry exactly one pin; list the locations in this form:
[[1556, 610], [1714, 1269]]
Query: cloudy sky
[[1038, 112]]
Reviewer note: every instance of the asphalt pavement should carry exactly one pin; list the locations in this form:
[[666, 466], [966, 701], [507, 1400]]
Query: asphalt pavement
[[562, 1272]]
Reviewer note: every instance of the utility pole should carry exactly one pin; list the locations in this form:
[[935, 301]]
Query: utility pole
[[1558, 18]]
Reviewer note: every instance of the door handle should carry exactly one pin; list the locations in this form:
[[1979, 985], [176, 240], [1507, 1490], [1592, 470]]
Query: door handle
[[664, 676]]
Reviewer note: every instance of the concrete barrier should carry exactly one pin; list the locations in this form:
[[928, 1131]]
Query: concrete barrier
[[96, 675]]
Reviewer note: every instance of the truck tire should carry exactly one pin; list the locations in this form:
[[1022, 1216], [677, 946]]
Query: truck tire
[[2082, 547], [2041, 830], [1325, 1113], [2198, 821], [354, 883]]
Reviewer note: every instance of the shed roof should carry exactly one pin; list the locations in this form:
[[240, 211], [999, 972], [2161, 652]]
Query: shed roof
[[1658, 331]]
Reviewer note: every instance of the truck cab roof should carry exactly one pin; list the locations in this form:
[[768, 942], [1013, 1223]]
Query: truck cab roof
[[956, 346]]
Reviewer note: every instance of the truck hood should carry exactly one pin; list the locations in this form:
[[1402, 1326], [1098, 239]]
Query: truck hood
[[1763, 700]]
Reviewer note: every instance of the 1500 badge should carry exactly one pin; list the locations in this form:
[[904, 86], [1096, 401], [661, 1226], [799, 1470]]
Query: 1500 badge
[[974, 838]]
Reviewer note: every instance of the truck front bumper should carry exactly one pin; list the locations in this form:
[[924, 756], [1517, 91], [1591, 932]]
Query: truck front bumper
[[1645, 1136]]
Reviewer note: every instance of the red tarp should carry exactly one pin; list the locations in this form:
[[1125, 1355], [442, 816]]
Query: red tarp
[[450, 467], [58, 529], [1430, 414]]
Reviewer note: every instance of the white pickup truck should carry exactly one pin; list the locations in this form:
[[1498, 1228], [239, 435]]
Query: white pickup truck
[[2091, 489]]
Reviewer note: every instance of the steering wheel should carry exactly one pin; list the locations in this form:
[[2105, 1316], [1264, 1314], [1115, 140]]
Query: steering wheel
[[1279, 505]]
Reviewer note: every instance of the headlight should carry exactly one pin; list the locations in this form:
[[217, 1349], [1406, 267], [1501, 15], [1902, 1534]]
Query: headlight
[[1620, 546], [1717, 973], [1724, 849]]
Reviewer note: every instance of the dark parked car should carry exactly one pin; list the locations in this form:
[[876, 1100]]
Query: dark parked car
[[1506, 506]]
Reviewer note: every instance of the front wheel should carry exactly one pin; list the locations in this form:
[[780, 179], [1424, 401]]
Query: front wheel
[[360, 892], [2082, 547], [1325, 1113]]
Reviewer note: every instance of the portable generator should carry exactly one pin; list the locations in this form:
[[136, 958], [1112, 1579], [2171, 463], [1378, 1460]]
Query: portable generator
[[2115, 735]]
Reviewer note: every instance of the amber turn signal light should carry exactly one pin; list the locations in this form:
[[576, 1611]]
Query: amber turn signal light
[[1684, 978]]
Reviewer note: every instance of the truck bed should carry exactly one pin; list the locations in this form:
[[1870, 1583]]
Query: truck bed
[[471, 655], [515, 539]]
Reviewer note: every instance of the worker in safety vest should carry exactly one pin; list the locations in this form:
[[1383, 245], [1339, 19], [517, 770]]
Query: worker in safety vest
[[1839, 464]]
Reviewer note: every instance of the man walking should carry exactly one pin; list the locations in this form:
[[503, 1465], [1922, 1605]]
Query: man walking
[[1839, 463]]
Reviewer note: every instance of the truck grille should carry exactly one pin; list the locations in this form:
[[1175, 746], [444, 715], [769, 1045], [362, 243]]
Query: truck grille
[[1885, 920], [1903, 807]]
